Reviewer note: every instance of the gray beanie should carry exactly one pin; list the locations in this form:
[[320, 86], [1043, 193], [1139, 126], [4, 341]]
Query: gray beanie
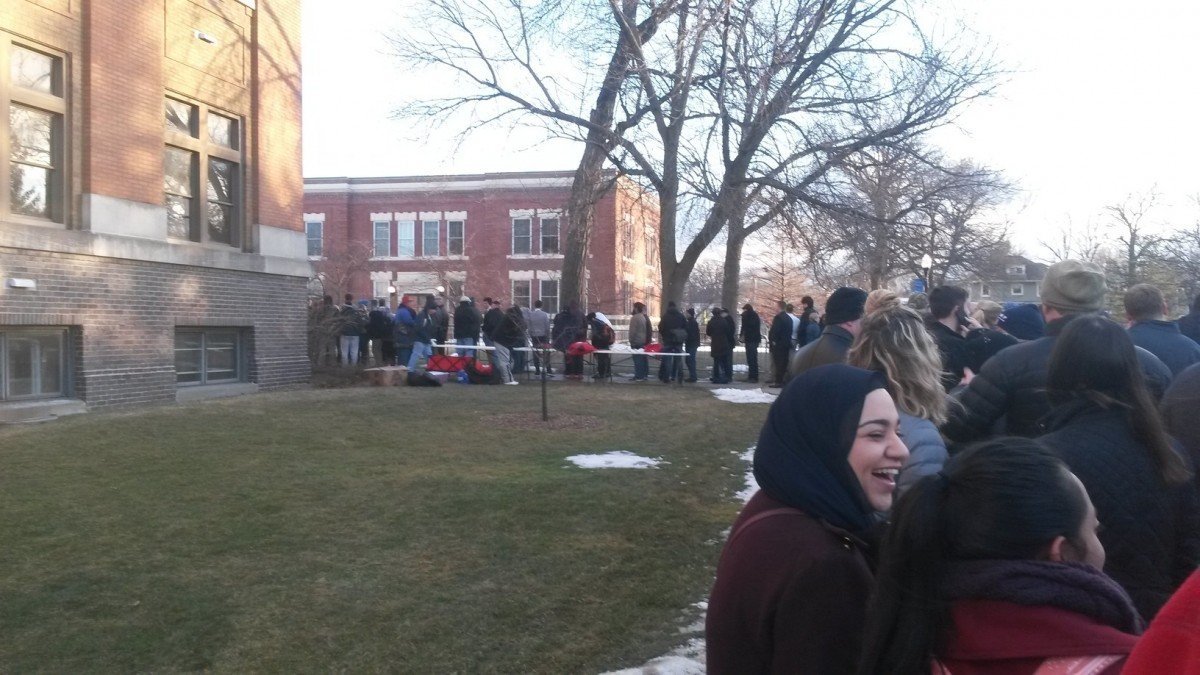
[[1072, 286]]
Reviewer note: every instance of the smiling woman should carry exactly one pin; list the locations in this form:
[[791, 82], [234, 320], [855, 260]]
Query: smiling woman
[[793, 580]]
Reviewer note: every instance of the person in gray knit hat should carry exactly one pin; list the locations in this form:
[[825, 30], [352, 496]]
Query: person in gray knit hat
[[843, 319], [1011, 386]]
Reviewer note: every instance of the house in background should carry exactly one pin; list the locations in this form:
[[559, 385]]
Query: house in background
[[496, 234], [151, 241], [1021, 282]]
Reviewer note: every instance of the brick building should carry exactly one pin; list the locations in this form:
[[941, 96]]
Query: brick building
[[151, 242], [497, 234]]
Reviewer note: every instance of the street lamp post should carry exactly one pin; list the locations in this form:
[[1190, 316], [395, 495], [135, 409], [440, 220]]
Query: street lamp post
[[926, 268]]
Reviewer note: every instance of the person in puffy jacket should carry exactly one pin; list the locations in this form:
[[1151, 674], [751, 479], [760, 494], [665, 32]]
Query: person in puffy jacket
[[993, 567], [1106, 428]]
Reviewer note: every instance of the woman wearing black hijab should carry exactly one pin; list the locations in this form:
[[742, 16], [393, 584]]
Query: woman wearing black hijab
[[793, 581]]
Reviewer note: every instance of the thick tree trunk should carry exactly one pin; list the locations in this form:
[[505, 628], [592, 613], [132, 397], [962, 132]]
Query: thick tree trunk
[[733, 264]]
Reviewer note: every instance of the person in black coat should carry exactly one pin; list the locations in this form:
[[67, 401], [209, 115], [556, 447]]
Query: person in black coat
[[751, 335], [672, 331], [569, 327], [720, 343], [843, 319], [692, 344], [779, 343], [492, 319], [949, 324], [467, 322], [1105, 426]]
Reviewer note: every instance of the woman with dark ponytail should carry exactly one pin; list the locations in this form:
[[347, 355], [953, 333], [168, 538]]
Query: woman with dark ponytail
[[793, 580], [1106, 427], [991, 567]]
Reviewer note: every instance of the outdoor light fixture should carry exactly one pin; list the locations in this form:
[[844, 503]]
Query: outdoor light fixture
[[204, 37], [391, 289]]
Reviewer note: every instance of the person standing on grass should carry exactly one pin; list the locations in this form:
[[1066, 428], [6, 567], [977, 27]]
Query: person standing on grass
[[672, 329], [779, 342], [810, 327], [379, 330], [404, 330], [353, 323], [491, 319], [793, 579], [603, 337], [539, 335], [424, 335], [692, 344], [466, 324], [751, 334], [639, 336], [509, 334], [720, 347], [569, 328]]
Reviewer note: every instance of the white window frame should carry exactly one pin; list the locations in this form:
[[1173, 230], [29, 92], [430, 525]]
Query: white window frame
[[6, 335], [409, 226], [985, 291], [461, 238], [379, 289], [309, 225], [207, 333], [437, 238], [542, 295], [527, 296], [528, 237], [1016, 289], [1016, 270], [387, 238], [557, 220]]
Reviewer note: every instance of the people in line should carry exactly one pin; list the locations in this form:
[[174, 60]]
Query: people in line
[[793, 579], [672, 331], [993, 565], [379, 332], [353, 325], [779, 344], [986, 341], [539, 336], [1146, 310], [404, 330], [603, 337], [751, 337], [1106, 427], [467, 323], [720, 342], [893, 341], [1010, 389], [843, 314], [949, 324], [569, 327], [424, 334], [692, 344], [640, 334], [492, 317], [507, 336]]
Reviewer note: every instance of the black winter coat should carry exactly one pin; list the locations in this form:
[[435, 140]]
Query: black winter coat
[[466, 321], [1163, 339], [779, 338], [831, 347], [1189, 325], [953, 348], [1012, 386], [983, 344], [751, 327], [1151, 531], [717, 331], [491, 321], [670, 321], [693, 334]]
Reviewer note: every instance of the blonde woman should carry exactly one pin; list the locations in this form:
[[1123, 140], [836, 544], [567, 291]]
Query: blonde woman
[[893, 341]]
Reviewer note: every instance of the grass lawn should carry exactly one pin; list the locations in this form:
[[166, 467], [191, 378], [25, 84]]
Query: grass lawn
[[363, 530]]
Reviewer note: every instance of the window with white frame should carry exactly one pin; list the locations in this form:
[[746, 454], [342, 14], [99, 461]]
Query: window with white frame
[[549, 232], [1017, 289], [383, 238], [430, 241], [315, 232], [406, 238], [522, 236], [985, 291], [521, 292], [33, 363], [548, 294], [1016, 269], [651, 247], [208, 356], [202, 145], [379, 288], [455, 237], [33, 91]]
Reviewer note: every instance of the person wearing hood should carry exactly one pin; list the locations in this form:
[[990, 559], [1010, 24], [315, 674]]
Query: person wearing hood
[[603, 337], [794, 579]]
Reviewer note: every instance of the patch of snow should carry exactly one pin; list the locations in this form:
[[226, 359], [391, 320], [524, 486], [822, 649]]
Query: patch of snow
[[751, 483], [744, 395], [741, 368], [620, 347], [620, 459]]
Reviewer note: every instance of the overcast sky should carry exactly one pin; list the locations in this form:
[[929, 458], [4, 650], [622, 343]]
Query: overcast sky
[[1102, 104]]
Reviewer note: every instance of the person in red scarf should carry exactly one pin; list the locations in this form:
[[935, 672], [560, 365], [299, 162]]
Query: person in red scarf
[[992, 567]]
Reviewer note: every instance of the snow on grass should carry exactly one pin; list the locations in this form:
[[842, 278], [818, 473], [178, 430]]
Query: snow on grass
[[751, 484], [744, 395], [619, 459]]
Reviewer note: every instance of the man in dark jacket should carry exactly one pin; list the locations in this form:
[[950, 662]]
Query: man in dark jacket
[[808, 319], [672, 330], [843, 318], [948, 324], [751, 335], [466, 323], [720, 344], [569, 328], [779, 342], [692, 344], [491, 320], [353, 325], [1011, 386], [1146, 308], [1189, 324], [379, 332], [404, 328]]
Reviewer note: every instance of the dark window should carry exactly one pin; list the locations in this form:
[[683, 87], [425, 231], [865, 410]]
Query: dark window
[[522, 238], [210, 356], [455, 244], [314, 230], [32, 91], [214, 154], [32, 363], [549, 236]]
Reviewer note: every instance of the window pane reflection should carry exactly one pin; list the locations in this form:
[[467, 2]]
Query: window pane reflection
[[32, 70], [28, 186]]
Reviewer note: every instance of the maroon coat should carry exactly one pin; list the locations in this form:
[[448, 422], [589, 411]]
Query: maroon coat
[[994, 637], [790, 596]]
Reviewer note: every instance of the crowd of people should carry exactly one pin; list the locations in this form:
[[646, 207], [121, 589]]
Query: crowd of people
[[948, 488]]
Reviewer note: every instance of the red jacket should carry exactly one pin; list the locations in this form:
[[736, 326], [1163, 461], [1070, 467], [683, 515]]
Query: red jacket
[[1172, 643], [993, 637], [790, 596]]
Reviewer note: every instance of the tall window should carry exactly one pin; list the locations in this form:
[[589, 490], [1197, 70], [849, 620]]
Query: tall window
[[522, 240], [406, 238], [383, 238], [32, 363], [455, 244], [549, 236], [548, 294], [203, 179], [429, 238], [207, 356], [315, 231], [521, 293], [651, 248], [31, 87]]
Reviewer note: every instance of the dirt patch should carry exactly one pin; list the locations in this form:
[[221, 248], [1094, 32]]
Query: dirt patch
[[534, 421]]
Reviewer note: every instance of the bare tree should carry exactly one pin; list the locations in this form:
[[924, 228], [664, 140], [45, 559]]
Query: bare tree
[[1136, 234], [704, 284], [343, 266], [1181, 253], [1074, 242]]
